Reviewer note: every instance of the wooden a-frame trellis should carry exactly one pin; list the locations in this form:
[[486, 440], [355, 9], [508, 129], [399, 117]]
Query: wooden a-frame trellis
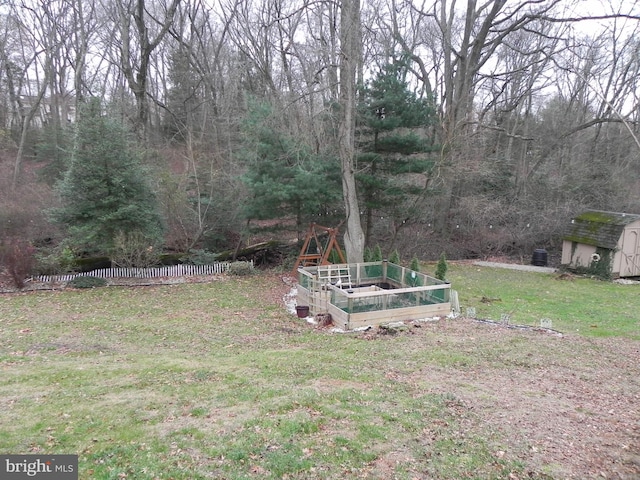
[[313, 252]]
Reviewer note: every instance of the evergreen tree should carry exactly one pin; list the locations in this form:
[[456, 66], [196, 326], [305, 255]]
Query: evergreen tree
[[441, 268], [105, 193], [284, 176], [415, 264], [394, 161]]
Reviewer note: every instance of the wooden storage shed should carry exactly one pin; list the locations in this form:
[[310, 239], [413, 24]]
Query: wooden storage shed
[[596, 236]]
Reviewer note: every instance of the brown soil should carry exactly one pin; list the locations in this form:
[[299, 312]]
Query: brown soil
[[569, 406]]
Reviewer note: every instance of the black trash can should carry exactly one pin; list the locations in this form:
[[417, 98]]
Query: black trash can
[[539, 258]]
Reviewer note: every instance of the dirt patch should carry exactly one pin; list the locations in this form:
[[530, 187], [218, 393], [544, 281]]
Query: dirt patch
[[325, 386], [569, 406], [6, 285]]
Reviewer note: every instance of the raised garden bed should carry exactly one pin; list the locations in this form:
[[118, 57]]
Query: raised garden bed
[[371, 293]]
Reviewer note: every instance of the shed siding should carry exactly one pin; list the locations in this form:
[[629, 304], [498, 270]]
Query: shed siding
[[577, 254]]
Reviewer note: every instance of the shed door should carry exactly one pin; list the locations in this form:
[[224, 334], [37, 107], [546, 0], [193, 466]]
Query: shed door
[[630, 253]]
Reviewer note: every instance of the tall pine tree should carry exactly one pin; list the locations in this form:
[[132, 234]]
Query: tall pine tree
[[285, 177], [105, 194], [395, 162]]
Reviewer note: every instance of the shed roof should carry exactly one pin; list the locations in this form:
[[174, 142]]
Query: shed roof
[[602, 229]]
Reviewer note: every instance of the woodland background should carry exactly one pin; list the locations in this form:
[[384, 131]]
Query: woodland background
[[130, 128]]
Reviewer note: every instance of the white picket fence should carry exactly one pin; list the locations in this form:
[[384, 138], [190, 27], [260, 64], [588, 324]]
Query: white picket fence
[[153, 272]]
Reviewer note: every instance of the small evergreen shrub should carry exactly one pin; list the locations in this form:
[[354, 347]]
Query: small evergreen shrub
[[377, 254], [241, 268], [441, 268], [368, 255], [395, 257], [415, 264], [54, 261], [87, 282]]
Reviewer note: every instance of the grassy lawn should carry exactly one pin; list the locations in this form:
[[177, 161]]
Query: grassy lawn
[[217, 380], [574, 304]]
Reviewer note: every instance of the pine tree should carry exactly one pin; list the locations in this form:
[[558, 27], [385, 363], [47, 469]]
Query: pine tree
[[441, 268], [377, 254], [284, 176], [368, 254], [395, 150], [415, 264], [105, 192]]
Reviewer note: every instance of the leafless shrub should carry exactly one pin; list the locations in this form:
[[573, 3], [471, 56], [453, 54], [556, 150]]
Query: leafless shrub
[[134, 250], [18, 258]]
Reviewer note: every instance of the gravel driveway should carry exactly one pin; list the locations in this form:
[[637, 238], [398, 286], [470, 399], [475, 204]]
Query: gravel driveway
[[515, 266]]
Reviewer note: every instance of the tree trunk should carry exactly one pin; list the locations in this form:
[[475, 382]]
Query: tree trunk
[[350, 53], [135, 67], [26, 122]]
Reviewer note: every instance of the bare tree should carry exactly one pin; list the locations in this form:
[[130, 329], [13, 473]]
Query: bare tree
[[28, 80], [81, 32], [202, 101], [350, 58], [137, 22]]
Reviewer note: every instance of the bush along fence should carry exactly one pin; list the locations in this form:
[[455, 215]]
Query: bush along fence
[[152, 272]]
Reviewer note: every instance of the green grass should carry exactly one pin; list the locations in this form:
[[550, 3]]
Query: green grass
[[586, 306], [201, 381]]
